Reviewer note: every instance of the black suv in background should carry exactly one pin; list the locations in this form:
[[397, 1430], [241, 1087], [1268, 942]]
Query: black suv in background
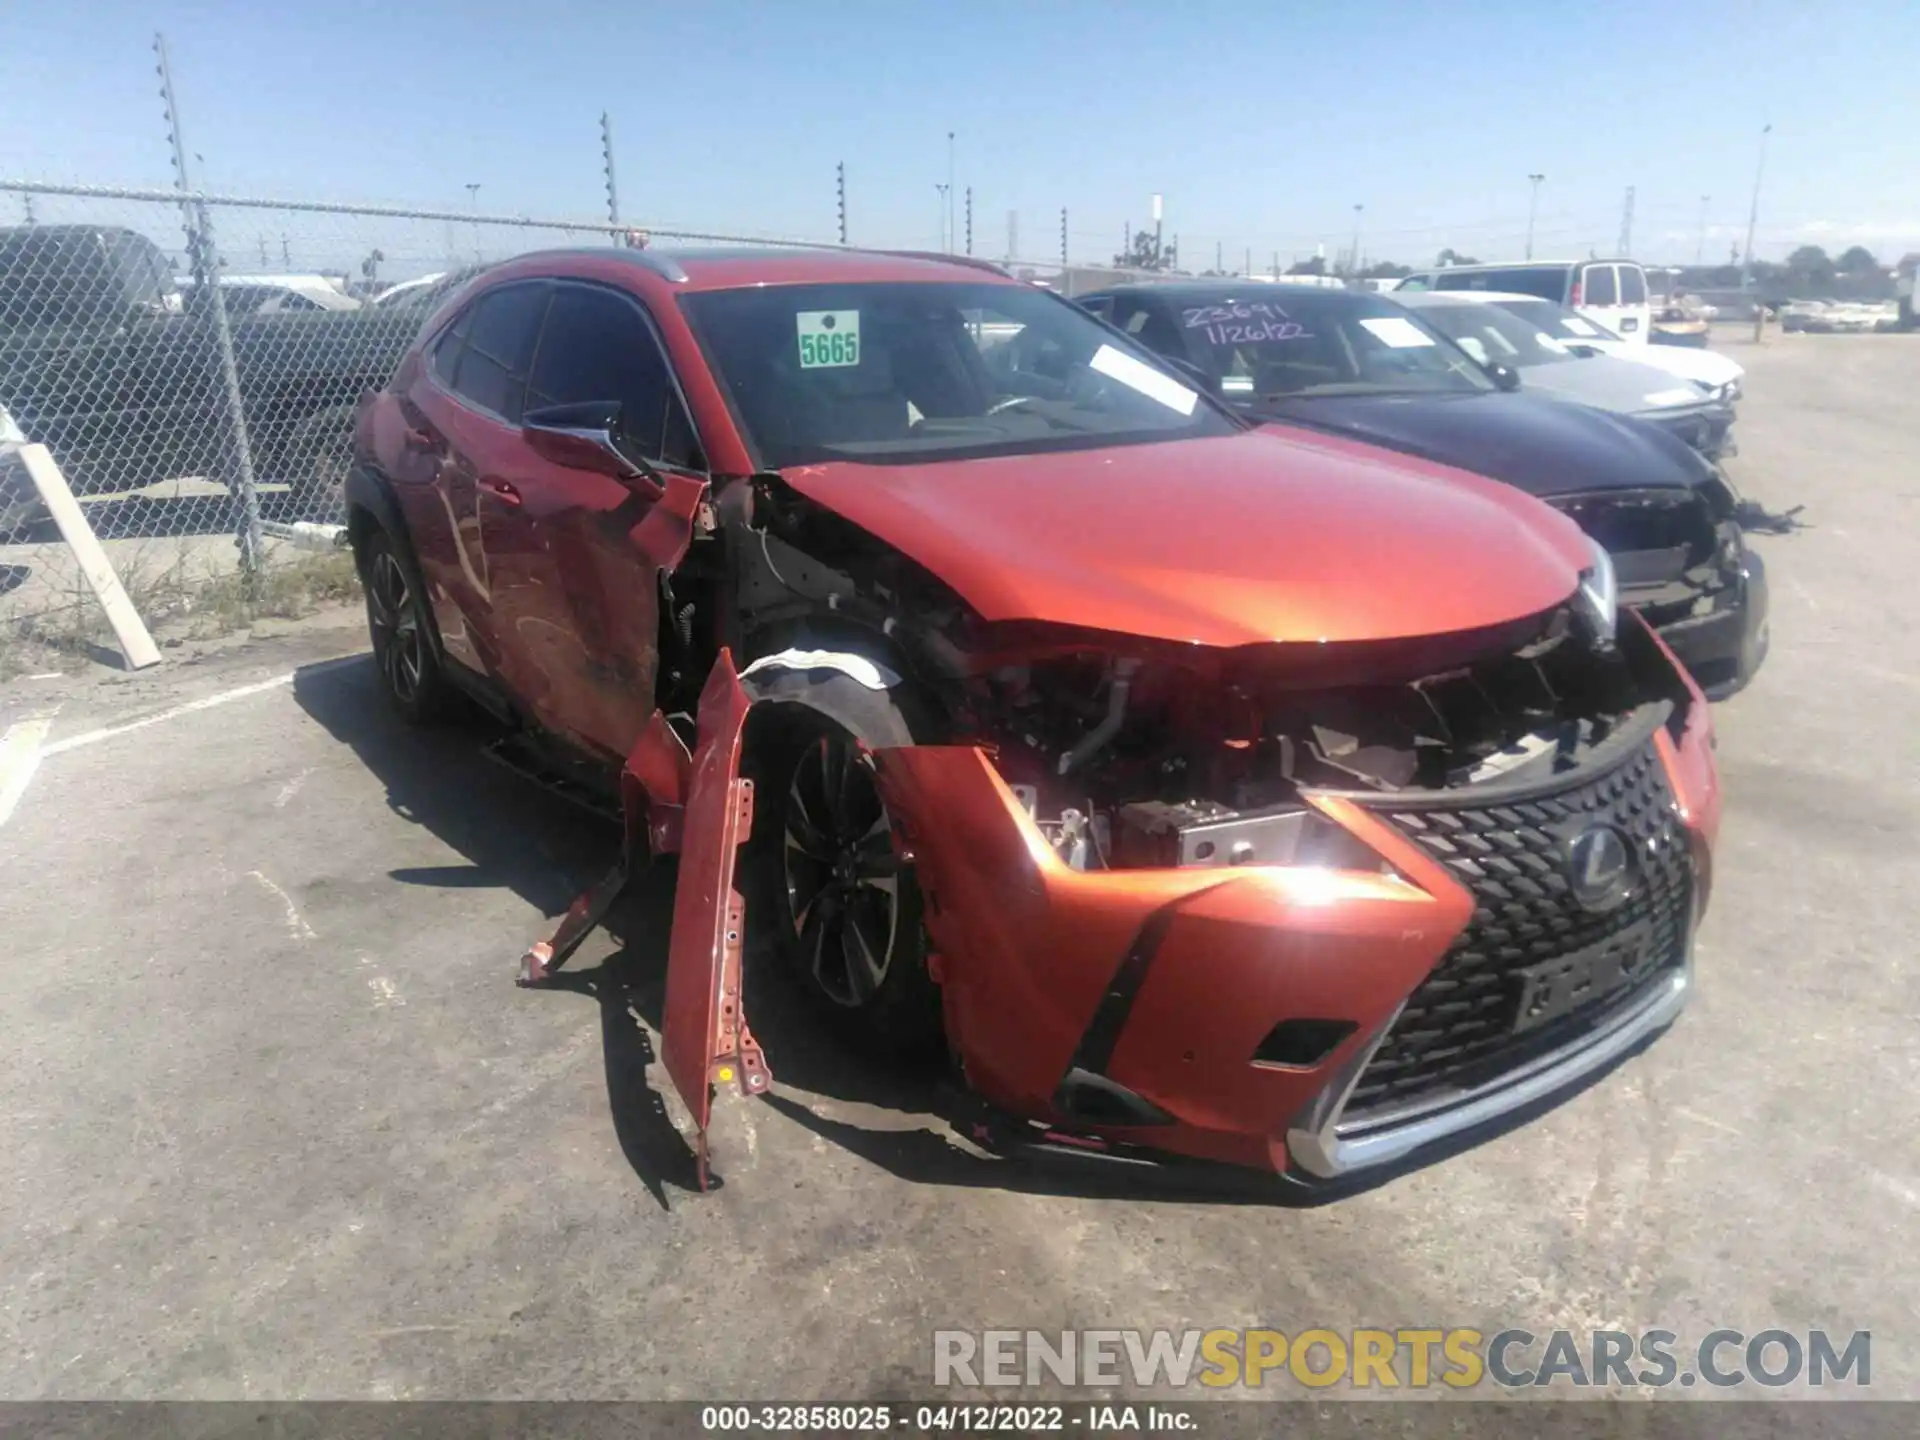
[[1356, 364]]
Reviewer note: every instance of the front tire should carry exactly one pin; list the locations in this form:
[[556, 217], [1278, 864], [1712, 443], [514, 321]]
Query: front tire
[[842, 914], [401, 629]]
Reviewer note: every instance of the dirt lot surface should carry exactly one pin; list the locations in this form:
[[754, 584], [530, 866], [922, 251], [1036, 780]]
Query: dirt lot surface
[[274, 1121]]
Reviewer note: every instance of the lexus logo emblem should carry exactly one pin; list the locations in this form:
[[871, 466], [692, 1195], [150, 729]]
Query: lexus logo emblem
[[1599, 867]]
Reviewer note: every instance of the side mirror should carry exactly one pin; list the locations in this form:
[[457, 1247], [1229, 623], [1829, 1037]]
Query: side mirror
[[585, 436], [1504, 377]]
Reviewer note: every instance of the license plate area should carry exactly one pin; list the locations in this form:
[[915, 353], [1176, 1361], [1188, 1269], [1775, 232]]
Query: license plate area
[[1558, 987]]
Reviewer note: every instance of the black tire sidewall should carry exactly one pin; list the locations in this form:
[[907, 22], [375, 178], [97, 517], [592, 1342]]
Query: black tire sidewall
[[902, 1021], [430, 698]]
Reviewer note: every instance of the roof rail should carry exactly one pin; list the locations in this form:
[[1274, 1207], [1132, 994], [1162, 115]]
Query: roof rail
[[662, 265], [971, 261]]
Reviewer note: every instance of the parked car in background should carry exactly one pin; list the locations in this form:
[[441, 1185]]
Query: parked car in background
[[1612, 293], [281, 294], [1481, 325], [1719, 376], [1037, 683], [109, 363], [1356, 364]]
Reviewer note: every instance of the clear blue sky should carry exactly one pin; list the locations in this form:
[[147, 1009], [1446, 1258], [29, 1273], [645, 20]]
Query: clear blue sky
[[1263, 125]]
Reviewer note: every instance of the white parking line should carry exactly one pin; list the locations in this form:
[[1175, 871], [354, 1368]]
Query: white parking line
[[91, 737], [22, 748], [20, 753]]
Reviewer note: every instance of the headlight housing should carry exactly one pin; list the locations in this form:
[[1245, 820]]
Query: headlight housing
[[1597, 601]]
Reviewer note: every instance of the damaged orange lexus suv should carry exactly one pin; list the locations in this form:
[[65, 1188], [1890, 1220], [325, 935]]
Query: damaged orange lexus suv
[[1203, 791]]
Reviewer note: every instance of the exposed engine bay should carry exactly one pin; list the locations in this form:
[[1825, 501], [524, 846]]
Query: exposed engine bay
[[1124, 762], [1129, 753]]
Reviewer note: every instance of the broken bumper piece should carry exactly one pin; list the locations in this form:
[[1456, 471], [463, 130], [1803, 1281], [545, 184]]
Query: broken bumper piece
[[1315, 1022]]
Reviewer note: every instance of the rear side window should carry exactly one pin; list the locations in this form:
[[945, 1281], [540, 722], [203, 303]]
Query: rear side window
[[1600, 288], [483, 359], [598, 346], [1633, 285]]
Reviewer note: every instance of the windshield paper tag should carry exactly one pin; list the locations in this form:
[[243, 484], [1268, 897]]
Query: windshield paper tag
[[1138, 375], [828, 337], [1391, 330]]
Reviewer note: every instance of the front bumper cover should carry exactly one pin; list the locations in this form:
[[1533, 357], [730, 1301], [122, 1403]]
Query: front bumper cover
[[1158, 987]]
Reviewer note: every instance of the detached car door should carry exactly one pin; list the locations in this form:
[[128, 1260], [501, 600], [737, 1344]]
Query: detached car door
[[587, 606]]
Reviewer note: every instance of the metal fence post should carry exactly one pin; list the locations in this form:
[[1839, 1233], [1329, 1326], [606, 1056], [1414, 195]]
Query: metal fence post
[[206, 275]]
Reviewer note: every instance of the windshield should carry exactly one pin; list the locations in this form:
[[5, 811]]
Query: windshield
[[890, 372], [1319, 342], [1559, 322], [1494, 335]]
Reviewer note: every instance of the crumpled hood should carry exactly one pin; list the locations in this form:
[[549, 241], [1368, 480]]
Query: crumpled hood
[[1246, 539], [1538, 444]]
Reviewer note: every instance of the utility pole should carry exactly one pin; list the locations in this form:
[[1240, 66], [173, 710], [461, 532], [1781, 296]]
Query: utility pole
[[969, 220], [1753, 212], [248, 537], [1700, 248], [840, 195], [1013, 236], [1159, 251], [613, 190], [1353, 259], [1626, 225], [945, 214], [1533, 208], [1063, 237]]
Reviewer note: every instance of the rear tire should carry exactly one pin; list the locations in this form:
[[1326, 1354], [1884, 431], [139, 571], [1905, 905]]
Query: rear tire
[[841, 913], [405, 648]]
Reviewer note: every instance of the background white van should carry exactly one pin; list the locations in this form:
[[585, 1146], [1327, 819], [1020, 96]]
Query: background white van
[[1612, 293]]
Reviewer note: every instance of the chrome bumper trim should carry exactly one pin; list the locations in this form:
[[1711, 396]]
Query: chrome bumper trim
[[1318, 1146]]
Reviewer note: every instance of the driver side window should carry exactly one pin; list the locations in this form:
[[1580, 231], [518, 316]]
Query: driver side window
[[598, 346]]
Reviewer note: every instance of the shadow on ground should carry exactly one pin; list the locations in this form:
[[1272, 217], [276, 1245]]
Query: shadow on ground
[[923, 1127]]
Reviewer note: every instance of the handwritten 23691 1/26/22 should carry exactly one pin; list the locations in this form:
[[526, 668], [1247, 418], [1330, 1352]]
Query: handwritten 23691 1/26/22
[[1251, 323]]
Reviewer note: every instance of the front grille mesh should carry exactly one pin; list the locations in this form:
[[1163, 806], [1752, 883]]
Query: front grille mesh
[[1456, 1030]]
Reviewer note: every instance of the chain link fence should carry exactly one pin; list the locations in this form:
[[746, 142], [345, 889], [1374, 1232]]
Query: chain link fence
[[194, 363]]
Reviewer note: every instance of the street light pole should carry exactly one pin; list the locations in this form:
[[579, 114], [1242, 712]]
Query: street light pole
[[1533, 208], [1753, 213], [1353, 258], [943, 217], [948, 192]]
